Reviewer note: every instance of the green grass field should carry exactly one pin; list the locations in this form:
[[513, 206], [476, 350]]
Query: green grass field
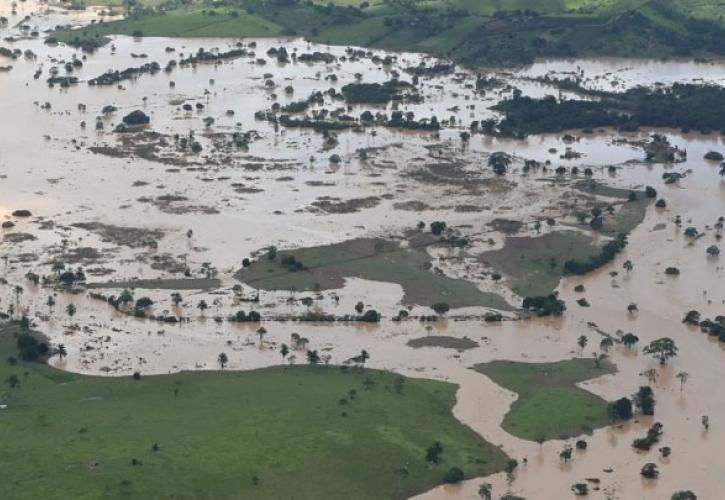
[[277, 433], [550, 405], [372, 259], [180, 23], [534, 265], [469, 31]]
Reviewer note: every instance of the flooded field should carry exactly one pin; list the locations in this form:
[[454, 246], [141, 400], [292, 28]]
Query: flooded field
[[178, 205]]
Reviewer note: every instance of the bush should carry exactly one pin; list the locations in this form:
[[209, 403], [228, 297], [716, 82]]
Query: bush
[[454, 475], [622, 408], [137, 117]]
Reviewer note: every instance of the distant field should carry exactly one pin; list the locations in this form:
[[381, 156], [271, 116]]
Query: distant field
[[180, 23], [277, 433], [372, 259], [550, 405], [491, 32]]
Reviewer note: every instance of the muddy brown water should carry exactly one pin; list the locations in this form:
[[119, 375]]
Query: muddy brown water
[[62, 183]]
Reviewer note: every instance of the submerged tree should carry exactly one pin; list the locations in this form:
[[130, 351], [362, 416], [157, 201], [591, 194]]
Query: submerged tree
[[582, 342], [662, 349], [223, 360]]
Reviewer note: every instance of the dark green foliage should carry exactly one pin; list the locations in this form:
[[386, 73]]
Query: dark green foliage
[[454, 475], [652, 437], [549, 305], [622, 409], [607, 254], [681, 106], [645, 400]]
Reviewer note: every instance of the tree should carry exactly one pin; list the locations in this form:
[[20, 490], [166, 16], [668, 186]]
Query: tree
[[294, 339], [261, 331], [662, 349], [18, 292], [622, 408], [313, 357], [363, 357], [629, 339], [650, 471], [71, 310], [202, 306], [606, 344], [284, 350], [50, 303], [440, 308], [126, 297], [359, 307], [485, 491], [706, 422], [13, 381], [632, 308], [645, 400], [651, 375], [582, 342], [432, 455], [61, 351], [682, 376], [222, 359], [565, 454], [176, 298], [628, 266], [454, 475], [683, 495]]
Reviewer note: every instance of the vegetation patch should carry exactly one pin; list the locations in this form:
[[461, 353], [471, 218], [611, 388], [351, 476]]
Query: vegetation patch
[[162, 284], [146, 436], [534, 265], [446, 342], [326, 267], [550, 405], [492, 33]]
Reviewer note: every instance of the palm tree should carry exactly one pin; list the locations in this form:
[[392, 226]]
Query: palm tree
[[176, 298], [582, 342], [364, 356], [302, 342], [202, 306], [294, 339], [651, 375], [284, 350], [71, 310], [222, 359], [261, 331], [61, 351], [628, 266], [683, 376], [18, 292], [50, 302]]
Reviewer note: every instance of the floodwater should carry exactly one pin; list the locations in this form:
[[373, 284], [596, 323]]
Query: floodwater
[[46, 166]]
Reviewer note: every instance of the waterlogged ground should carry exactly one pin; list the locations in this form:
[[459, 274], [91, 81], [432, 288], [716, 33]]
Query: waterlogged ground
[[124, 208]]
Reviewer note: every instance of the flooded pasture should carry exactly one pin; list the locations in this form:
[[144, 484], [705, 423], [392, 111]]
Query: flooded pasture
[[135, 210]]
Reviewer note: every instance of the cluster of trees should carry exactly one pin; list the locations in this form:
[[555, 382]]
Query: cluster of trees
[[652, 437], [113, 77], [242, 317], [608, 252], [684, 106], [379, 93], [545, 305]]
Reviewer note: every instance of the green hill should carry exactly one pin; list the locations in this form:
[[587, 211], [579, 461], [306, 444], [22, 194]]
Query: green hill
[[469, 31]]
